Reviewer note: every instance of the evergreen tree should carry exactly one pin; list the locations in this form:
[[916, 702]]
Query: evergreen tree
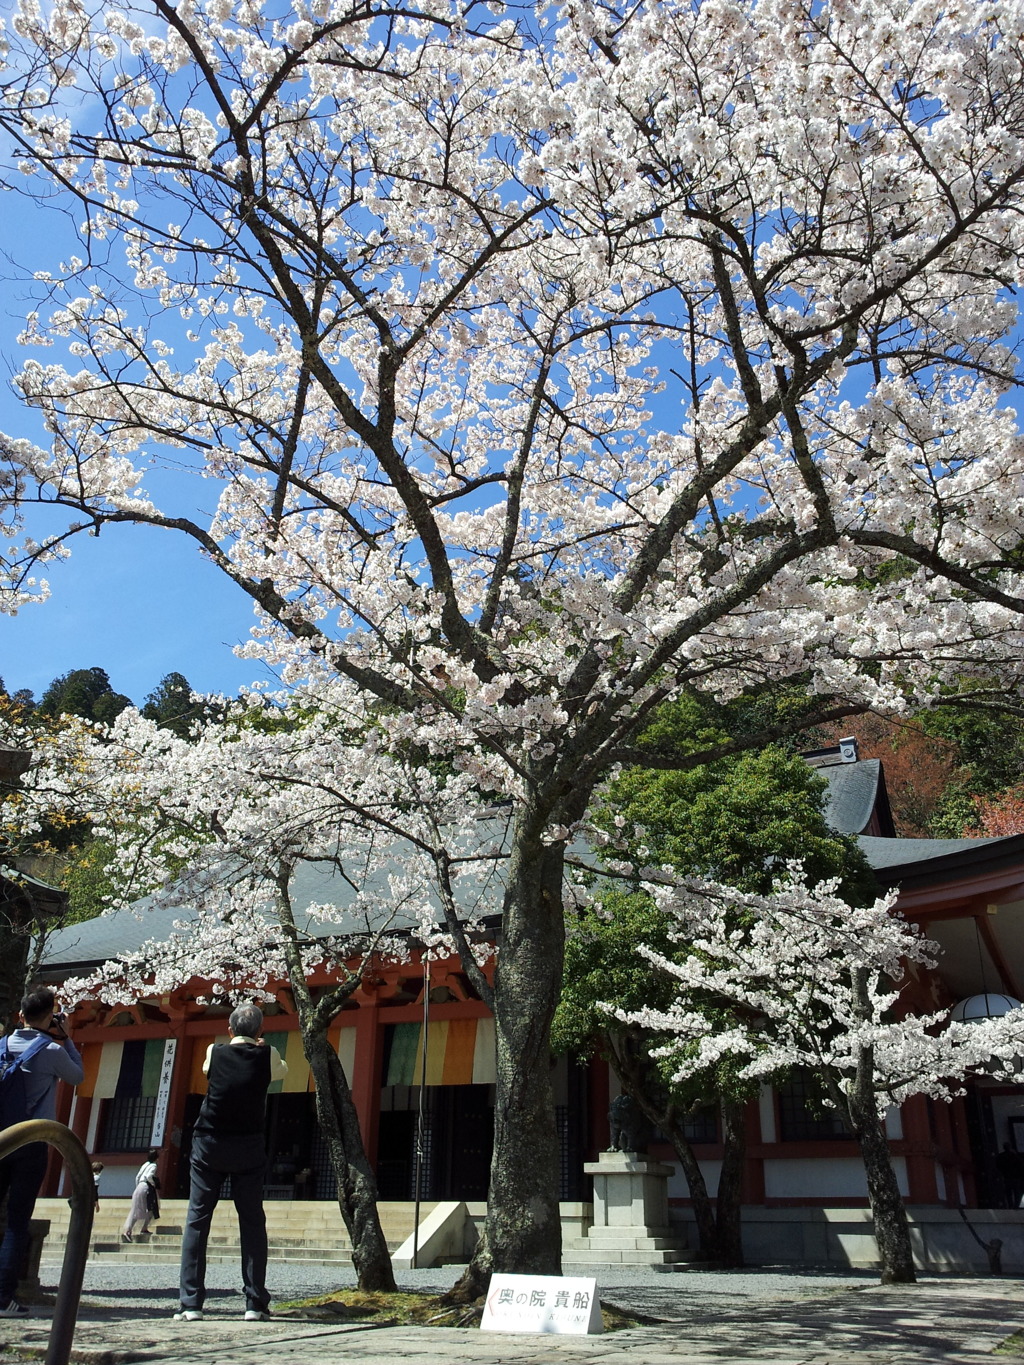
[[739, 821], [84, 692], [171, 706], [20, 703]]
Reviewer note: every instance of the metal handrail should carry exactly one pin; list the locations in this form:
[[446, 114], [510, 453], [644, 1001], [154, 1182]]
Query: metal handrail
[[76, 1248]]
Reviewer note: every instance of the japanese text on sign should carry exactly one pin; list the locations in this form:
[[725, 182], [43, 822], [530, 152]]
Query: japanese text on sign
[[542, 1303]]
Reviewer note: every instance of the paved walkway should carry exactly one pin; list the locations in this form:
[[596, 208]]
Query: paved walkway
[[958, 1321]]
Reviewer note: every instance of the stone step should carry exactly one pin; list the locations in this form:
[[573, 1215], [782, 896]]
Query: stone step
[[629, 1230], [299, 1230], [601, 1244], [301, 1218], [172, 1245], [583, 1253], [621, 1258], [285, 1247]]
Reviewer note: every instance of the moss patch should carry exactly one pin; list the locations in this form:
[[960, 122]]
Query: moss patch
[[1012, 1346], [383, 1310], [421, 1310]]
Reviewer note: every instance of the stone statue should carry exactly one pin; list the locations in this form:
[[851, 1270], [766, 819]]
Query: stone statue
[[630, 1130]]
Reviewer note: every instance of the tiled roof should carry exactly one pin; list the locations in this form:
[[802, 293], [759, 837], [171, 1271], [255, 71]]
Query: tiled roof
[[851, 793], [122, 931]]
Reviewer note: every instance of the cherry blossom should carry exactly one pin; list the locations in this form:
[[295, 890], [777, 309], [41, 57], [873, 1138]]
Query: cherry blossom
[[814, 982], [538, 366]]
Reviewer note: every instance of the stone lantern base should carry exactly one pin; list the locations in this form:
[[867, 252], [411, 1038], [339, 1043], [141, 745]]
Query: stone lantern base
[[631, 1223]]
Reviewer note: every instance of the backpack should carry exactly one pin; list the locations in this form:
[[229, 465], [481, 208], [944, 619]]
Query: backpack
[[13, 1094]]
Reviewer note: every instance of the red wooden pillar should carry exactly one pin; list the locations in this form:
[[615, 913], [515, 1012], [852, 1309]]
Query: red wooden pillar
[[55, 1162], [366, 1081], [962, 1146], [80, 1119], [946, 1154], [922, 1187]]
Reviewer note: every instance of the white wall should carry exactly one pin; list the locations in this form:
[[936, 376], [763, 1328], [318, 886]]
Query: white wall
[[823, 1178], [116, 1181], [679, 1189]]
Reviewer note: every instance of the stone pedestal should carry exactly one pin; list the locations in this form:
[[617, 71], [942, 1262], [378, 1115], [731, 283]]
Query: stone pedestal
[[631, 1224]]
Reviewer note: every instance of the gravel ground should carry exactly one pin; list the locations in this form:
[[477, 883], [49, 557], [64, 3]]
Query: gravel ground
[[154, 1288]]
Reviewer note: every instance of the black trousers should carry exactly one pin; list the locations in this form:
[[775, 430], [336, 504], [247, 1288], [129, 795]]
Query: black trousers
[[21, 1175], [244, 1160]]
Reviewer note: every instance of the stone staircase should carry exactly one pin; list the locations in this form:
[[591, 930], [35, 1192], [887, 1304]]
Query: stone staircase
[[304, 1230], [607, 1247]]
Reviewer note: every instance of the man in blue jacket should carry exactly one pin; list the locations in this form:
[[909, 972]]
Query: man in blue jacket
[[21, 1173]]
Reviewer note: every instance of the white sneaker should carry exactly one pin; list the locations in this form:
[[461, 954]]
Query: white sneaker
[[189, 1315], [14, 1309], [256, 1315]]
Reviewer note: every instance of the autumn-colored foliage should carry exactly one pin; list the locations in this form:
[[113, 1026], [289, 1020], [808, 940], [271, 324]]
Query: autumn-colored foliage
[[1002, 813], [918, 767]]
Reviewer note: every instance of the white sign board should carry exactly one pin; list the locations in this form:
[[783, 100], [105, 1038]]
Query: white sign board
[[163, 1093], [542, 1303]]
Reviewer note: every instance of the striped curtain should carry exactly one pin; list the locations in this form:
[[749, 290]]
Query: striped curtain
[[289, 1044], [124, 1069], [197, 1077], [343, 1040], [459, 1052]]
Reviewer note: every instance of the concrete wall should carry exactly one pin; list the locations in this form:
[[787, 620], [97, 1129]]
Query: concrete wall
[[827, 1178], [844, 1237], [678, 1186]]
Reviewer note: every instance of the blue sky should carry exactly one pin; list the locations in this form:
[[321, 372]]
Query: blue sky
[[138, 602]]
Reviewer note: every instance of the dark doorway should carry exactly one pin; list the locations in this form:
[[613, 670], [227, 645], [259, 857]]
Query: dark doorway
[[458, 1136], [396, 1145], [193, 1104], [291, 1120], [296, 1166], [462, 1166]]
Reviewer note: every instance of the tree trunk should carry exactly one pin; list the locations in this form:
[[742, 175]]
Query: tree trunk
[[719, 1234], [642, 1082], [357, 1186], [703, 1209], [523, 1230], [892, 1231], [728, 1202], [718, 1221], [14, 945], [336, 1114], [20, 921]]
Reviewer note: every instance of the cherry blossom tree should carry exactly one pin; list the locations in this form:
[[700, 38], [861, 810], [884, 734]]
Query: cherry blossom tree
[[221, 822], [543, 365], [815, 982]]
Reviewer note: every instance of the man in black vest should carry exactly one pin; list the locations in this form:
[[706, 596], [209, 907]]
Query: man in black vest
[[228, 1140]]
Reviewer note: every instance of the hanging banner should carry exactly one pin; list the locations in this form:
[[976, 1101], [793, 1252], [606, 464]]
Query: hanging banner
[[163, 1093], [542, 1303]]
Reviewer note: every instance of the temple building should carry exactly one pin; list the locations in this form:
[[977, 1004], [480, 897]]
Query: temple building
[[144, 1081]]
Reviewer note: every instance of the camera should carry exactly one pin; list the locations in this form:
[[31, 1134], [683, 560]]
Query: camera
[[57, 1024]]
